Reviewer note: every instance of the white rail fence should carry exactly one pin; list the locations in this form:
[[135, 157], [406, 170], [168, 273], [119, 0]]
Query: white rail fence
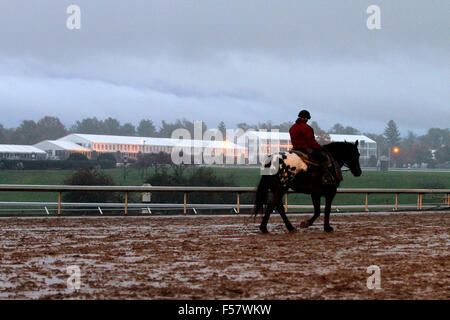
[[441, 194]]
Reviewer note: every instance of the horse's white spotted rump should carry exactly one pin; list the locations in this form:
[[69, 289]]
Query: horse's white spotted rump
[[289, 165]]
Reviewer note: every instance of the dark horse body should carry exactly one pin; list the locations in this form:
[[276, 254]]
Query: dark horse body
[[306, 180]]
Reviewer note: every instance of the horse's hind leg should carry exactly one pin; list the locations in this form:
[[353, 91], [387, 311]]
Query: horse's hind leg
[[329, 199], [280, 209], [274, 203], [265, 220], [316, 202]]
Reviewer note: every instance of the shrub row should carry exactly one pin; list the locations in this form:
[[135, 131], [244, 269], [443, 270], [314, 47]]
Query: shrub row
[[55, 164]]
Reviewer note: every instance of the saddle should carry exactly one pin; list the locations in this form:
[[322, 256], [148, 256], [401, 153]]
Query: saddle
[[333, 167]]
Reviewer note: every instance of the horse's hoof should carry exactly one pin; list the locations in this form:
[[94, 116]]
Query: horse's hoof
[[263, 229], [304, 224], [328, 229]]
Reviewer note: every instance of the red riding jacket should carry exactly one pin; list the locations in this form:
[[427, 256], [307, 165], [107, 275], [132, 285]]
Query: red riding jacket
[[302, 136]]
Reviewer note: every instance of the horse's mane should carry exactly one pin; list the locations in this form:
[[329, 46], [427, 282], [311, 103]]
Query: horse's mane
[[333, 145], [338, 147]]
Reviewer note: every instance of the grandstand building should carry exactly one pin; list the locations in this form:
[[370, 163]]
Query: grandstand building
[[21, 152], [367, 147], [250, 150], [60, 149], [132, 146]]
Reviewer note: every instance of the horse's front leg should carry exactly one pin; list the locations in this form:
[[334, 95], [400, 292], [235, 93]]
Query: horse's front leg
[[280, 209], [316, 202], [328, 200]]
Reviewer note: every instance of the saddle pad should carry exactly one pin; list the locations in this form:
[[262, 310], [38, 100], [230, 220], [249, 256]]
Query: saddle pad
[[289, 164], [332, 163]]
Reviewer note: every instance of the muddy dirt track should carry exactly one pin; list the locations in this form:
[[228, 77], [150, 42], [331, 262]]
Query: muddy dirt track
[[224, 257]]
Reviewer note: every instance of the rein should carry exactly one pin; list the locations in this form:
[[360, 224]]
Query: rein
[[311, 163]]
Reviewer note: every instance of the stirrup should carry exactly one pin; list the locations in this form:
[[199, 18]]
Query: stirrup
[[328, 180]]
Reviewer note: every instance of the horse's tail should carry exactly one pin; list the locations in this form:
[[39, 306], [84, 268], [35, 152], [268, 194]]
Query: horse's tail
[[261, 194]]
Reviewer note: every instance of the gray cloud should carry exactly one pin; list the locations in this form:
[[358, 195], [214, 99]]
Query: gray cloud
[[237, 61]]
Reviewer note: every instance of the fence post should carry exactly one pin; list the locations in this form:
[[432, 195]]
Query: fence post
[[59, 202], [396, 202], [421, 200], [238, 202], [367, 202], [185, 203], [286, 203], [126, 202]]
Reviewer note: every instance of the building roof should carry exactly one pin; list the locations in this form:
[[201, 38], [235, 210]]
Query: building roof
[[350, 138], [271, 135], [17, 148], [333, 137], [61, 145], [86, 139], [148, 141]]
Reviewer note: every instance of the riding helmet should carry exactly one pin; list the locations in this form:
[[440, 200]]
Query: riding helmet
[[304, 114]]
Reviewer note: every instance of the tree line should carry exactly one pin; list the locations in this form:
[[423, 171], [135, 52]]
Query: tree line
[[432, 147], [50, 128]]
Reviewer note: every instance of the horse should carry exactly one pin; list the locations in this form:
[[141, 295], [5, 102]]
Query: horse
[[294, 173]]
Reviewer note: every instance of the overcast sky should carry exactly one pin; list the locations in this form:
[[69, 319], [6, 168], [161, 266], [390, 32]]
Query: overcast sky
[[234, 60]]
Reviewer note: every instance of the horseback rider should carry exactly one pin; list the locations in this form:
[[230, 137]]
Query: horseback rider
[[303, 140]]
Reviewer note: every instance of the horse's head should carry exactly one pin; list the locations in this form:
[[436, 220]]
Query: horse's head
[[347, 154], [351, 158]]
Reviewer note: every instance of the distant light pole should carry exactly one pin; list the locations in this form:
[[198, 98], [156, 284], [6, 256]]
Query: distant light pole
[[395, 150], [125, 163], [142, 165]]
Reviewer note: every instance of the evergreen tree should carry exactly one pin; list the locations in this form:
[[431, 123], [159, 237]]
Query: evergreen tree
[[50, 128], [111, 126], [410, 139], [167, 128], [350, 130], [223, 129], [2, 134], [146, 128], [285, 126], [391, 133], [128, 130], [26, 133], [266, 126], [244, 126], [87, 126], [339, 129]]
